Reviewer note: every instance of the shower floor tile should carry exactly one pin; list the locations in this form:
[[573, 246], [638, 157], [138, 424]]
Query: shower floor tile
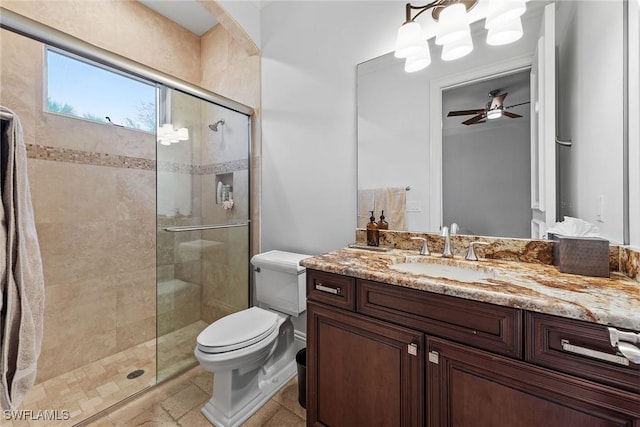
[[84, 392], [76, 395]]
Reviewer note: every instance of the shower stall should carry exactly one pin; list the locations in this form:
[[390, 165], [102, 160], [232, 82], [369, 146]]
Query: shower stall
[[144, 235], [202, 220]]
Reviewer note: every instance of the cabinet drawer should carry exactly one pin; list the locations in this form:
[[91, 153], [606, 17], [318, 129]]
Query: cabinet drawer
[[478, 324], [546, 335], [331, 289]]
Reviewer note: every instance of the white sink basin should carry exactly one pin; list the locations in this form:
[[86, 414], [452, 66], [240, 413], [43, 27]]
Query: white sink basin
[[445, 271]]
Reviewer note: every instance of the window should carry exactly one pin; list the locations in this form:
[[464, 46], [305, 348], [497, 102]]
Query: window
[[79, 88]]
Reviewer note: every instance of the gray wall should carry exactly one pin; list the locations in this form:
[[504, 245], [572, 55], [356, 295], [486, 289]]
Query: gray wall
[[482, 158]]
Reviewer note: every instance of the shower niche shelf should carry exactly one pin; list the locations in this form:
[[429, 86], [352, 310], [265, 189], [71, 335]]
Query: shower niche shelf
[[224, 187]]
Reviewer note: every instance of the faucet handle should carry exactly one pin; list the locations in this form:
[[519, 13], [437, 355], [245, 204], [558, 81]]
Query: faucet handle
[[471, 253], [424, 250]]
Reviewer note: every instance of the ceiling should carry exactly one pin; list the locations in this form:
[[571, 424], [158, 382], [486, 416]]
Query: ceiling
[[189, 14]]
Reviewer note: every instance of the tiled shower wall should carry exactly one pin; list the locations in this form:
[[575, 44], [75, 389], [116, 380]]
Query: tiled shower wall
[[115, 169], [93, 189]]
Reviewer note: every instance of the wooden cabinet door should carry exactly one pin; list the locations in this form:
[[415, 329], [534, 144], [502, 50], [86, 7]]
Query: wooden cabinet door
[[470, 388], [361, 371]]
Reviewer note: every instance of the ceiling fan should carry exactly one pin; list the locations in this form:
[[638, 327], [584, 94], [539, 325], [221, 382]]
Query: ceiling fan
[[493, 110]]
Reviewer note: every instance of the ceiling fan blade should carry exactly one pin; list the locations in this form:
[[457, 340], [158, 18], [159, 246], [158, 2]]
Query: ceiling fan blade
[[465, 112], [473, 120], [516, 105], [512, 115], [498, 101]]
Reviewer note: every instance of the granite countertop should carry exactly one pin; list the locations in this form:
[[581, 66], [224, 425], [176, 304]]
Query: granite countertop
[[613, 301]]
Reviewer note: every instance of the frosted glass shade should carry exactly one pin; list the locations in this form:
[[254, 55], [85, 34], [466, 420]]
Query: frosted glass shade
[[502, 11], [452, 24], [183, 134], [457, 49], [419, 61], [505, 33], [410, 39]]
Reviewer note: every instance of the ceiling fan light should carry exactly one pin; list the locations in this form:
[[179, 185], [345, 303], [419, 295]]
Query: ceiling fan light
[[453, 24], [502, 11], [496, 113], [419, 61], [506, 33], [457, 49], [409, 40]]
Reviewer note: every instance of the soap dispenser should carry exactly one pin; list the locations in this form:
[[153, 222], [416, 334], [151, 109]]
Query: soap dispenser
[[373, 235], [382, 224]]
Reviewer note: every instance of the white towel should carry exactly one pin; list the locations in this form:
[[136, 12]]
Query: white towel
[[393, 201], [22, 287], [366, 203]]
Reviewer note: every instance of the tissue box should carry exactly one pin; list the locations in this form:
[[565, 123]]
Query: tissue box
[[587, 256]]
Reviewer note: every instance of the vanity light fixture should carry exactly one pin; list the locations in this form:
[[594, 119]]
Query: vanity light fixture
[[167, 135], [452, 29]]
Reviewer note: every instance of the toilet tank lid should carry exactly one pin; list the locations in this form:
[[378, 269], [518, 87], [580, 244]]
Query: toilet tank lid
[[287, 262]]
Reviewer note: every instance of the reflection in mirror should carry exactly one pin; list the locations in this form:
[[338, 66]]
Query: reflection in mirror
[[480, 153], [401, 142]]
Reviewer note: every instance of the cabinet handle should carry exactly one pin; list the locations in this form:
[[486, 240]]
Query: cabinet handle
[[412, 349], [322, 288], [567, 346]]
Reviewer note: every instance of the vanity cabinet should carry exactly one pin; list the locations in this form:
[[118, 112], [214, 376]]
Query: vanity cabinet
[[470, 387], [361, 371], [384, 355]]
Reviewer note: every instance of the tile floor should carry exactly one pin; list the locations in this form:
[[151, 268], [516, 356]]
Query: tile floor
[[95, 387], [90, 389], [178, 401]]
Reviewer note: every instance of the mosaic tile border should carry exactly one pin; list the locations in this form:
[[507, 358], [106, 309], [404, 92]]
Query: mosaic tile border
[[210, 169], [69, 155]]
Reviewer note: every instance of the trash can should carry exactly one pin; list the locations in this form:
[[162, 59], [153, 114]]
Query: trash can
[[301, 361]]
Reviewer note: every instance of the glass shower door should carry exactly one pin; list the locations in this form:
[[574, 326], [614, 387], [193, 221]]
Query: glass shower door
[[202, 216]]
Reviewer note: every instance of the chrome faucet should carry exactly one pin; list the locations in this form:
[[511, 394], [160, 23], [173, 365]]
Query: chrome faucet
[[446, 251], [424, 250], [471, 253], [454, 228]]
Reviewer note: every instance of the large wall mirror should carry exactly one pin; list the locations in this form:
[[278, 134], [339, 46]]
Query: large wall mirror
[[502, 177]]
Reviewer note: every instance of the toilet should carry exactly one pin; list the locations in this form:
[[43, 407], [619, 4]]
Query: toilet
[[252, 352]]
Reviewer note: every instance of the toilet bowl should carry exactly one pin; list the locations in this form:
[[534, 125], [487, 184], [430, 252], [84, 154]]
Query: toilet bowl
[[252, 352]]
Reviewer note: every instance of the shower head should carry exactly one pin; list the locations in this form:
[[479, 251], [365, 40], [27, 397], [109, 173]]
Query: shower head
[[214, 127]]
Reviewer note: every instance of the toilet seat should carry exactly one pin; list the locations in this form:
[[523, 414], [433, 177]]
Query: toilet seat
[[237, 330]]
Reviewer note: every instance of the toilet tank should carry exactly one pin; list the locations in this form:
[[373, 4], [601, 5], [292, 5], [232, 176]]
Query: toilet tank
[[280, 281]]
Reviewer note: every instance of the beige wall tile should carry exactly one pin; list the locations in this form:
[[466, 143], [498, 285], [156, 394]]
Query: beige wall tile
[[71, 193], [136, 296], [134, 333], [124, 27], [228, 69]]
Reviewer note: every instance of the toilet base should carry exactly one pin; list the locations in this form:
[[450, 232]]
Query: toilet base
[[214, 409]]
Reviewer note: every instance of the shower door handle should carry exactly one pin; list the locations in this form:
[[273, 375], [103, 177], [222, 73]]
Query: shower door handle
[[204, 227]]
